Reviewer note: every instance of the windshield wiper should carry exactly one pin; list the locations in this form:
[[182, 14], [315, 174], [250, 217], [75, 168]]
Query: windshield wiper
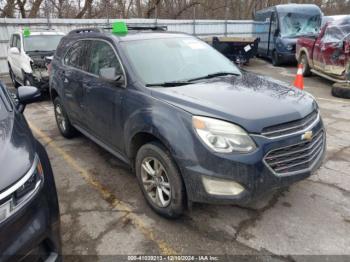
[[213, 75], [170, 84], [190, 81]]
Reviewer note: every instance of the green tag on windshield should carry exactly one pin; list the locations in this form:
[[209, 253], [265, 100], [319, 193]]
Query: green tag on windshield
[[26, 32], [119, 28]]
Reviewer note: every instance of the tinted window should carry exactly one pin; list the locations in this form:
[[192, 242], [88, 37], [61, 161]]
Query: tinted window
[[16, 41], [74, 56], [103, 56]]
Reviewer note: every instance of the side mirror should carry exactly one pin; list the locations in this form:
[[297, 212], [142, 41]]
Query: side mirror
[[14, 50], [109, 74], [27, 95]]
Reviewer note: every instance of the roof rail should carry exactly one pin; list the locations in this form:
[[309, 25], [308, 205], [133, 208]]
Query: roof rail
[[84, 30], [141, 28]]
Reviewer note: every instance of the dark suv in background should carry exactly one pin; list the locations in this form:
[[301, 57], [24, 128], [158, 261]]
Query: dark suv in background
[[29, 213], [193, 126]]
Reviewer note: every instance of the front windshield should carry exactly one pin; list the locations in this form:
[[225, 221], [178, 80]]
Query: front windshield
[[175, 59], [299, 23], [41, 42]]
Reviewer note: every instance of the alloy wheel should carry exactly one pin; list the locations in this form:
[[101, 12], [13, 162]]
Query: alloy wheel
[[156, 182], [61, 120]]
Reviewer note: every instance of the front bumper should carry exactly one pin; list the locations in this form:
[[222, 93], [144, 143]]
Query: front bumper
[[287, 57], [33, 232], [41, 83], [248, 170]]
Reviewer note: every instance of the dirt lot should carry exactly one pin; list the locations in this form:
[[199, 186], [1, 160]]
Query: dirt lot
[[104, 213]]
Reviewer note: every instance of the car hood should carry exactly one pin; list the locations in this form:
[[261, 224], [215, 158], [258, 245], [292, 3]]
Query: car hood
[[16, 148], [251, 101]]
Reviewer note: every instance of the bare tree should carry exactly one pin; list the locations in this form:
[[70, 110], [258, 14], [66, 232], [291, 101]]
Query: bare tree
[[86, 8], [9, 8], [175, 9]]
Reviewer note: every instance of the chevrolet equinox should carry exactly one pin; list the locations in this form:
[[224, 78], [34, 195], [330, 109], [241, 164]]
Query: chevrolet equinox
[[192, 125]]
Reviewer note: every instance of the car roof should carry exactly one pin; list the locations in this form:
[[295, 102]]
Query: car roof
[[134, 36]]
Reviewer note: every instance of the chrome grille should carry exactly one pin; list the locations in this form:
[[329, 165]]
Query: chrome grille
[[291, 127], [296, 158]]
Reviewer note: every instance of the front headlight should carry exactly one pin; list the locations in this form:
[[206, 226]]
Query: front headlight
[[221, 136], [289, 47]]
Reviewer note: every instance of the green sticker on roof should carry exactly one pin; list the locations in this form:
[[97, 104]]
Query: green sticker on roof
[[120, 28], [26, 32]]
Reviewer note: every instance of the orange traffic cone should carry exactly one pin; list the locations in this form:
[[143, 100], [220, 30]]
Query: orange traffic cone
[[299, 79]]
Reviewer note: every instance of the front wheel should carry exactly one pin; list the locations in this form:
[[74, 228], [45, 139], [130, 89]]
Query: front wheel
[[160, 180], [275, 59], [63, 123], [306, 66]]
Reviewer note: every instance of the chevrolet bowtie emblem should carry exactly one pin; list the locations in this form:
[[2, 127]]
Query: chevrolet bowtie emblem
[[307, 136]]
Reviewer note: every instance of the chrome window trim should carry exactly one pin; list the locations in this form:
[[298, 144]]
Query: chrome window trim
[[312, 125], [21, 182], [302, 170], [88, 73]]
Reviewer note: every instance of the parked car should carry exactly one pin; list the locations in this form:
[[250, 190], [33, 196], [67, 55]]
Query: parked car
[[280, 26], [327, 54], [27, 56], [29, 212], [191, 124]]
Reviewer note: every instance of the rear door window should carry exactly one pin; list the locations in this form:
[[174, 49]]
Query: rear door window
[[75, 55]]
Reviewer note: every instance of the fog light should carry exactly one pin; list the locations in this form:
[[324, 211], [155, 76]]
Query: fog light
[[221, 187]]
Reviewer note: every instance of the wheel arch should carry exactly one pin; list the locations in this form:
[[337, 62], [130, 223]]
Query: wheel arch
[[304, 51], [145, 137]]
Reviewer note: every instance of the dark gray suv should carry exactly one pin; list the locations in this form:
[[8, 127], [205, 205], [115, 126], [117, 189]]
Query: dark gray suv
[[192, 125]]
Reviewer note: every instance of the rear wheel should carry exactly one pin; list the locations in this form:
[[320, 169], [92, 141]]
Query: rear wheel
[[63, 123], [341, 90], [160, 180], [306, 67]]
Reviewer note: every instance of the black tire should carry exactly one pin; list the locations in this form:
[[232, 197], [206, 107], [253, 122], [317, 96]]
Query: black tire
[[341, 91], [66, 129], [28, 80], [306, 66], [176, 206], [275, 60], [13, 78]]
